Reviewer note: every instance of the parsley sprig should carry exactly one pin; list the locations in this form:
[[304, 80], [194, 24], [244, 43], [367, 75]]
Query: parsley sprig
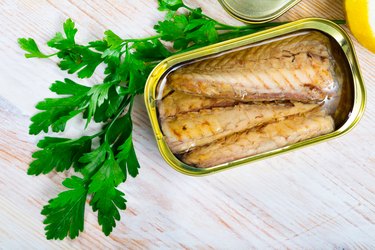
[[101, 167]]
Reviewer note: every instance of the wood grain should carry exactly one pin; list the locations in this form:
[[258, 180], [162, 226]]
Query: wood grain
[[318, 197]]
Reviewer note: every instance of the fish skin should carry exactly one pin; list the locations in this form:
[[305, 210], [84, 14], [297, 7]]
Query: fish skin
[[178, 102], [302, 77], [260, 139], [186, 131], [313, 43], [298, 68]]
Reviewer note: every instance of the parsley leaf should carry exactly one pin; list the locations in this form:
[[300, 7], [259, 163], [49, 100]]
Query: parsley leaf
[[127, 158], [57, 111], [152, 50], [110, 105], [65, 213], [79, 59], [31, 47], [68, 150], [75, 58], [120, 136], [206, 32], [98, 95], [113, 40], [93, 160], [100, 101], [70, 30], [138, 73], [170, 4], [100, 45], [59, 41], [172, 29], [187, 30], [106, 198], [68, 87]]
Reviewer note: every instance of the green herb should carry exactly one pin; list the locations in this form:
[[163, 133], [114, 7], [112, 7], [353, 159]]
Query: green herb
[[127, 63]]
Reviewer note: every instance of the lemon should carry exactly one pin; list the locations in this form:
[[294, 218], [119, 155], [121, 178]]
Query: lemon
[[360, 15]]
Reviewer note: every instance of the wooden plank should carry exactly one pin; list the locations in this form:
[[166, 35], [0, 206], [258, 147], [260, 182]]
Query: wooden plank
[[317, 197]]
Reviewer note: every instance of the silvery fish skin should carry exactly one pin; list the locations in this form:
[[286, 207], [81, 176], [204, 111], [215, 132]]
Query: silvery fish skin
[[186, 131], [298, 68], [313, 43], [176, 102], [260, 139]]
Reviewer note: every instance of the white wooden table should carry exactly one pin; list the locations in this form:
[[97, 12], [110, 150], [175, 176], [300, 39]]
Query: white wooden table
[[318, 197]]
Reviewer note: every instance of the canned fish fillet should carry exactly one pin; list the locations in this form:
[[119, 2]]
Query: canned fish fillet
[[226, 108]]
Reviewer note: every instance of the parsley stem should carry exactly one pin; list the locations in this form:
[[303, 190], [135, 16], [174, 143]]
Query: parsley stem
[[125, 103], [196, 12], [209, 18], [142, 39], [97, 134], [51, 55]]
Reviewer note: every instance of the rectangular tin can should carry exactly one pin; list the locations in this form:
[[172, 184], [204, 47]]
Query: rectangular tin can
[[353, 88]]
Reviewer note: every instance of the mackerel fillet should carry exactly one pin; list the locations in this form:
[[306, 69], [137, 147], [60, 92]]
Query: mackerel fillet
[[187, 131], [298, 68], [260, 139], [177, 102]]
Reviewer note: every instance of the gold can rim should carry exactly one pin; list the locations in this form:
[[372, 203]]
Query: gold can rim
[[243, 14], [319, 24]]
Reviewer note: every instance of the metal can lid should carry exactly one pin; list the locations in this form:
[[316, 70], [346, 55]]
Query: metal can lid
[[256, 11]]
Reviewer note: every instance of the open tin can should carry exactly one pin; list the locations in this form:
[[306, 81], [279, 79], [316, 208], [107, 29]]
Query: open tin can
[[344, 107], [253, 11]]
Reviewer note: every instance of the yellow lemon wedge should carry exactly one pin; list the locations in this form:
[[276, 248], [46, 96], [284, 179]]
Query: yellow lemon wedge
[[360, 15]]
